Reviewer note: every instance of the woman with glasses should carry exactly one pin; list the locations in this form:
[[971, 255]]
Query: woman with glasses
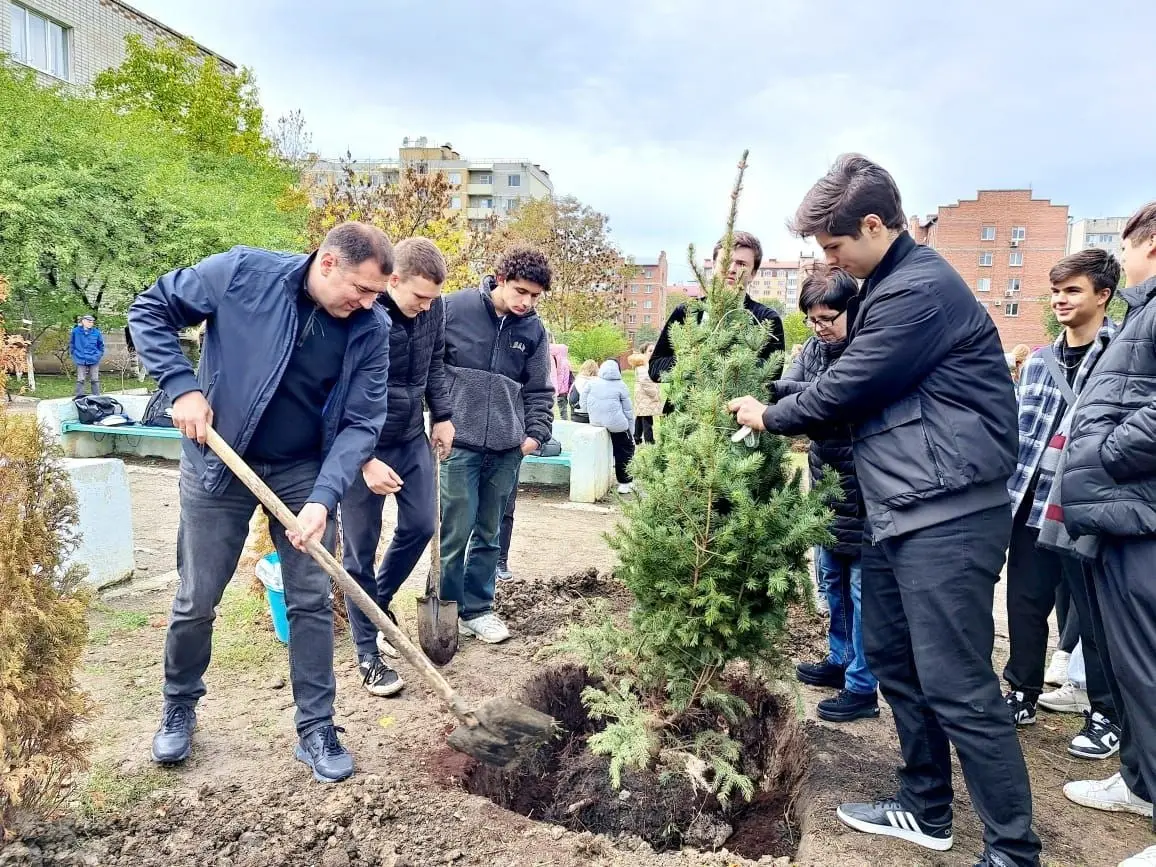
[[824, 298]]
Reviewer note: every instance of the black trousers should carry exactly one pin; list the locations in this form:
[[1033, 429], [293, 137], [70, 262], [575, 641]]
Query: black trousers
[[623, 445], [1124, 616], [1033, 576], [506, 536], [1067, 618], [643, 429], [928, 631]]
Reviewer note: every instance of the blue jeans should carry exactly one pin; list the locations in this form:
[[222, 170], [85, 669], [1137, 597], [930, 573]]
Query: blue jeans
[[842, 580], [361, 530], [475, 489], [210, 538]]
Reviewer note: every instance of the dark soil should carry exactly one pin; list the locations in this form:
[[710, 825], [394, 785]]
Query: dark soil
[[537, 608], [566, 785]]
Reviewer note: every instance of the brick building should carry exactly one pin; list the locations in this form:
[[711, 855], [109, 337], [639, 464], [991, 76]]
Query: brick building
[[1003, 243], [644, 296], [777, 280], [70, 41]]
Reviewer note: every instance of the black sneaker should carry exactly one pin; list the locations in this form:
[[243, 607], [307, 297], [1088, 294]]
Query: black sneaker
[[1098, 739], [377, 677], [824, 673], [174, 739], [503, 573], [848, 706], [1022, 710], [890, 819], [321, 750]]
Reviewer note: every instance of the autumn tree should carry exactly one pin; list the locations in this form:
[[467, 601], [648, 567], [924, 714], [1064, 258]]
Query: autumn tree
[[12, 348], [292, 142], [587, 270], [213, 109], [417, 204]]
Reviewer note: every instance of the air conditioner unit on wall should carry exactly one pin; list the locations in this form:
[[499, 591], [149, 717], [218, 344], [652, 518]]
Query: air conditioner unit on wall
[[1015, 242]]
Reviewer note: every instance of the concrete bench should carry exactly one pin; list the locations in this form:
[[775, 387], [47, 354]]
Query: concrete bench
[[92, 441], [586, 463], [104, 519]]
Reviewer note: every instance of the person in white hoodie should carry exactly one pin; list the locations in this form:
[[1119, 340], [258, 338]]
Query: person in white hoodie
[[608, 404]]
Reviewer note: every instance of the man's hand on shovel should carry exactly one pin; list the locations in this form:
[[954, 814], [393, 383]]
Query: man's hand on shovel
[[312, 518]]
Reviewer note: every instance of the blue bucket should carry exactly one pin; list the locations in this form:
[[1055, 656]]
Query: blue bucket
[[269, 571]]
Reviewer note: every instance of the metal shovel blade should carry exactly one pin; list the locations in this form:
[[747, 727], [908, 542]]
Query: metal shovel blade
[[506, 732], [437, 618], [437, 628]]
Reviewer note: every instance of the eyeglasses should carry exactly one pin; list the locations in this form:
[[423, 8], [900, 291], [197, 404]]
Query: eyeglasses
[[823, 321]]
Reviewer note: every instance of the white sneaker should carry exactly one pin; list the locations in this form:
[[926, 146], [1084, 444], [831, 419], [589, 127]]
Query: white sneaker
[[626, 488], [1057, 673], [1111, 794], [1147, 858], [385, 647], [1069, 698], [488, 627]]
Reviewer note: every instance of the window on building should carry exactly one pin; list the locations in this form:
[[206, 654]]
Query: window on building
[[985, 258], [987, 233], [455, 178], [764, 272], [514, 181], [633, 290], [39, 42], [1012, 308], [646, 274], [1019, 233], [481, 178], [983, 284], [1013, 286], [1016, 259], [631, 319], [456, 202], [486, 203], [649, 288], [648, 305]]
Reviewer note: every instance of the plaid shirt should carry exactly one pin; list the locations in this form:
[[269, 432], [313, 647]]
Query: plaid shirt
[[1041, 405]]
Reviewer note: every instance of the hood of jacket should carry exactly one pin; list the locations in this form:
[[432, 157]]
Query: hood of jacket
[[609, 370]]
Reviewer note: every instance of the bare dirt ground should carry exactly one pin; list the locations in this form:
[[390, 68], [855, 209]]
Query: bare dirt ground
[[243, 800]]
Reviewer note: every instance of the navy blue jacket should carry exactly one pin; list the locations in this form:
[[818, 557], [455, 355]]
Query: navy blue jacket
[[416, 370], [924, 385], [248, 298]]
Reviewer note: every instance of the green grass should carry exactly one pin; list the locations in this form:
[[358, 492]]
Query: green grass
[[57, 385], [240, 641], [107, 791]]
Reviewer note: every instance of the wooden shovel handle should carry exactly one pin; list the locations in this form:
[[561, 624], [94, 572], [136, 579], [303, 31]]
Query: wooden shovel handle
[[351, 588], [434, 582]]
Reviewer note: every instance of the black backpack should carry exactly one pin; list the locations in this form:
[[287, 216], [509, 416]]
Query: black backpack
[[159, 412], [92, 408]]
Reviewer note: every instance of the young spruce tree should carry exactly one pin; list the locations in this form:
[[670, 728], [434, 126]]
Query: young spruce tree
[[714, 549]]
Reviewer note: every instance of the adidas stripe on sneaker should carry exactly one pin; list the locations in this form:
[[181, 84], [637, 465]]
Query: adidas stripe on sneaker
[[890, 819]]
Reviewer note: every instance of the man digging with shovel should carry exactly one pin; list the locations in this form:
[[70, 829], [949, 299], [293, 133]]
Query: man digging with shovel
[[293, 377], [401, 464]]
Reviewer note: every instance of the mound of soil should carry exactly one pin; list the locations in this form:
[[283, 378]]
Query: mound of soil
[[537, 607], [565, 784]]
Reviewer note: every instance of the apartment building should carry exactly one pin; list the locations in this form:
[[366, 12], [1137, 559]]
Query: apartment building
[[644, 296], [482, 188], [71, 41], [1103, 233], [777, 280], [1003, 243]]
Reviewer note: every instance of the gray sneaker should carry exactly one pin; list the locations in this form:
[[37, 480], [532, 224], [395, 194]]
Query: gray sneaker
[[174, 739], [321, 750]]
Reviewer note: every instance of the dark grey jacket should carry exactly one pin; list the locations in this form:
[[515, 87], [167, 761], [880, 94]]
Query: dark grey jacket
[[833, 449], [1109, 482], [924, 385], [416, 371], [498, 368]]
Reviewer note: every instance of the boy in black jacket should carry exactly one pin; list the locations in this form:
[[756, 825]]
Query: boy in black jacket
[[497, 359], [402, 463], [924, 385]]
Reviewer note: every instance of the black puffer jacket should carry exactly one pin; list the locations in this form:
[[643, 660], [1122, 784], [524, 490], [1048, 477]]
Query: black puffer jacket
[[1109, 483], [924, 385], [416, 371], [834, 450]]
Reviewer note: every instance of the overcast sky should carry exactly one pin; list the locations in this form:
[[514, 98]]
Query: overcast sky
[[641, 108]]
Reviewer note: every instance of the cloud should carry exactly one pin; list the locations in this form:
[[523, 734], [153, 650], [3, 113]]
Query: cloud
[[641, 108]]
